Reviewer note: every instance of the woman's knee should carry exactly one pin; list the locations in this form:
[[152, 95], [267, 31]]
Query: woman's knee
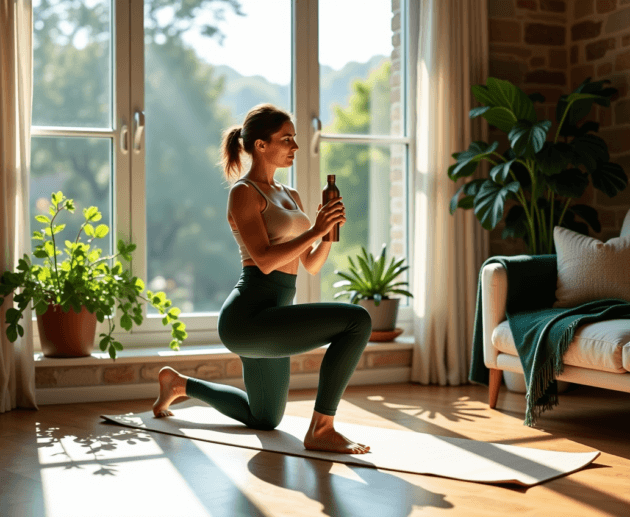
[[267, 423], [361, 317]]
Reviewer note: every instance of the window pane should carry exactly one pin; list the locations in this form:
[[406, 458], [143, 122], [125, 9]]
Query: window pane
[[370, 180], [203, 74], [72, 72], [355, 64], [81, 169]]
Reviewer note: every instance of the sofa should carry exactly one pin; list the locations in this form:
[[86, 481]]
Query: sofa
[[599, 354]]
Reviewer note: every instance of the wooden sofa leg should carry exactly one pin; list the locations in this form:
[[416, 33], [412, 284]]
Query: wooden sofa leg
[[495, 384]]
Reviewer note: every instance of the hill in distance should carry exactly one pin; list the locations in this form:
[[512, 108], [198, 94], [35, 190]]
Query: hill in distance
[[241, 93]]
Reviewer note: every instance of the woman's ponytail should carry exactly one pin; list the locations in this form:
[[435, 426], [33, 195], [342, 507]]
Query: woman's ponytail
[[231, 149]]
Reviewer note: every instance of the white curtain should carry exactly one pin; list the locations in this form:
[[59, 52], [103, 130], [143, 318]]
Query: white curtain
[[17, 368], [452, 55]]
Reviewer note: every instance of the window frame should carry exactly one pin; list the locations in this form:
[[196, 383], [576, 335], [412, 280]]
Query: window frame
[[119, 134], [129, 201]]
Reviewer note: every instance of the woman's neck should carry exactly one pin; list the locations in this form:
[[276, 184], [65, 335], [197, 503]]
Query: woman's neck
[[266, 181], [262, 173]]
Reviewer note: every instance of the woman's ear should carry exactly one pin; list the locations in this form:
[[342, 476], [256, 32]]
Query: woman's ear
[[259, 145]]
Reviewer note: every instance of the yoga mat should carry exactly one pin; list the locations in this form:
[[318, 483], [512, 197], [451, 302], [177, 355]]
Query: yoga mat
[[390, 449]]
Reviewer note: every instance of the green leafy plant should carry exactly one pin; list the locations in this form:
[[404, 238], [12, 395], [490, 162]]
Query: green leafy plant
[[543, 176], [374, 283], [82, 279]]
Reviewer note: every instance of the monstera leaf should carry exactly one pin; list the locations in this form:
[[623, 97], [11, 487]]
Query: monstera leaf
[[568, 183], [610, 179], [528, 138], [468, 160], [470, 190], [506, 104], [553, 158], [490, 202], [581, 101], [590, 151]]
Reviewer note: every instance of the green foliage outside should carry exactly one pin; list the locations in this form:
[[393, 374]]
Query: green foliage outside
[[351, 163], [187, 106]]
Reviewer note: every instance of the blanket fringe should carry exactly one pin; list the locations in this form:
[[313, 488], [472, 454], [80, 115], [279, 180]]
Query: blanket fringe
[[552, 367]]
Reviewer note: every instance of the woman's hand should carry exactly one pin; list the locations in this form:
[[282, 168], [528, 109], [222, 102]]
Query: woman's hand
[[332, 213]]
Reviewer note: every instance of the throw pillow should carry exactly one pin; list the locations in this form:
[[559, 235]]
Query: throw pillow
[[589, 269]]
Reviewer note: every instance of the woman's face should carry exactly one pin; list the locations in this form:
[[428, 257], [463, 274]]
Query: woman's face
[[280, 150]]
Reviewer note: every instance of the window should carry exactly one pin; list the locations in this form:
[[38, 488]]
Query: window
[[130, 99], [364, 141]]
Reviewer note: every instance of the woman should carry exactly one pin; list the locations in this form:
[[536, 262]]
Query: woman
[[258, 320]]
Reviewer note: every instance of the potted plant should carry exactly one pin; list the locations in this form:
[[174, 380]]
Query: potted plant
[[544, 176], [369, 287], [69, 297]]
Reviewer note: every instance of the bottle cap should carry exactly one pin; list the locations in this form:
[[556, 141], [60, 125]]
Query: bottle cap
[[331, 177]]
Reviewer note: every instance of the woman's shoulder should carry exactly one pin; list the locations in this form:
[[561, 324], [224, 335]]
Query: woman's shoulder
[[243, 192]]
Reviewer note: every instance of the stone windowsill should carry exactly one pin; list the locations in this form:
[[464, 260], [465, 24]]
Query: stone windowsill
[[195, 352]]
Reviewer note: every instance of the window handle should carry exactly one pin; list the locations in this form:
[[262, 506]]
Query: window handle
[[138, 129], [317, 126], [124, 134]]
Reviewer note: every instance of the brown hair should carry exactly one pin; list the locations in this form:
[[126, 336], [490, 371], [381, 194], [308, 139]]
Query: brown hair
[[260, 123]]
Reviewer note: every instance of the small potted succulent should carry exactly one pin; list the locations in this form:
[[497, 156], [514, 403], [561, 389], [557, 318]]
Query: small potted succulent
[[69, 297], [370, 286]]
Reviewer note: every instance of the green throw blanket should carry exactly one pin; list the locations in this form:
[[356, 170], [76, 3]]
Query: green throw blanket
[[541, 333]]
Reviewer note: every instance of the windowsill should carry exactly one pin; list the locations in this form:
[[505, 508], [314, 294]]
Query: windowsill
[[196, 352]]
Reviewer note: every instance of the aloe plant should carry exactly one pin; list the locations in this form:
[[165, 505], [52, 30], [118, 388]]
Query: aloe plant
[[544, 176], [371, 281]]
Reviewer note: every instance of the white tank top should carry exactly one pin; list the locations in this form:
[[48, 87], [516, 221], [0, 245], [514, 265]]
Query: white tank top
[[282, 224]]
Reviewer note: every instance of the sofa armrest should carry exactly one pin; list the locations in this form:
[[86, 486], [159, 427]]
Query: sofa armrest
[[528, 274], [493, 301]]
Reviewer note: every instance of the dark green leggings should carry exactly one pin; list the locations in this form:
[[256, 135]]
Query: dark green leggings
[[259, 323]]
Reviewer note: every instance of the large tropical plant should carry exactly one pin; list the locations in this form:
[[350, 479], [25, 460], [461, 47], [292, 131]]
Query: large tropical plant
[[544, 176]]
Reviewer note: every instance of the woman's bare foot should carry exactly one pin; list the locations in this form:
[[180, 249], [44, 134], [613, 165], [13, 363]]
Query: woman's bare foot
[[321, 436], [172, 386]]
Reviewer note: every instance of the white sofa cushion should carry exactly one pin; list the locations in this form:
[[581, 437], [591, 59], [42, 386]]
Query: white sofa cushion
[[589, 269], [602, 345]]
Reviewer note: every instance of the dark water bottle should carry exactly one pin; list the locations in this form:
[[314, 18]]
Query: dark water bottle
[[331, 192]]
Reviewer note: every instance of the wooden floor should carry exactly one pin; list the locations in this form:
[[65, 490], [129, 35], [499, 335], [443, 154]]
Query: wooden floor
[[64, 461]]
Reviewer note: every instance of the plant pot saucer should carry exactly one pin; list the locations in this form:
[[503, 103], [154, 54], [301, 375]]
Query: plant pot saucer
[[385, 335]]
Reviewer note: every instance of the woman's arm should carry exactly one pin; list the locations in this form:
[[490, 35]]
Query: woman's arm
[[315, 256]]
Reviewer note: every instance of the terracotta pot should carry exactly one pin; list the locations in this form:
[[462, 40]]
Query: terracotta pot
[[384, 316], [66, 334]]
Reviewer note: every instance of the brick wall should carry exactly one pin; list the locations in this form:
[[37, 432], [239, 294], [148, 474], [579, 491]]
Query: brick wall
[[551, 46], [225, 366]]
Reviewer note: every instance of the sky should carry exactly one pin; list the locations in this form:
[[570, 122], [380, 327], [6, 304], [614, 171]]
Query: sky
[[259, 43]]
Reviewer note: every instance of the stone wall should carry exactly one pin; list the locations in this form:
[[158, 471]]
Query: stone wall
[[551, 46]]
